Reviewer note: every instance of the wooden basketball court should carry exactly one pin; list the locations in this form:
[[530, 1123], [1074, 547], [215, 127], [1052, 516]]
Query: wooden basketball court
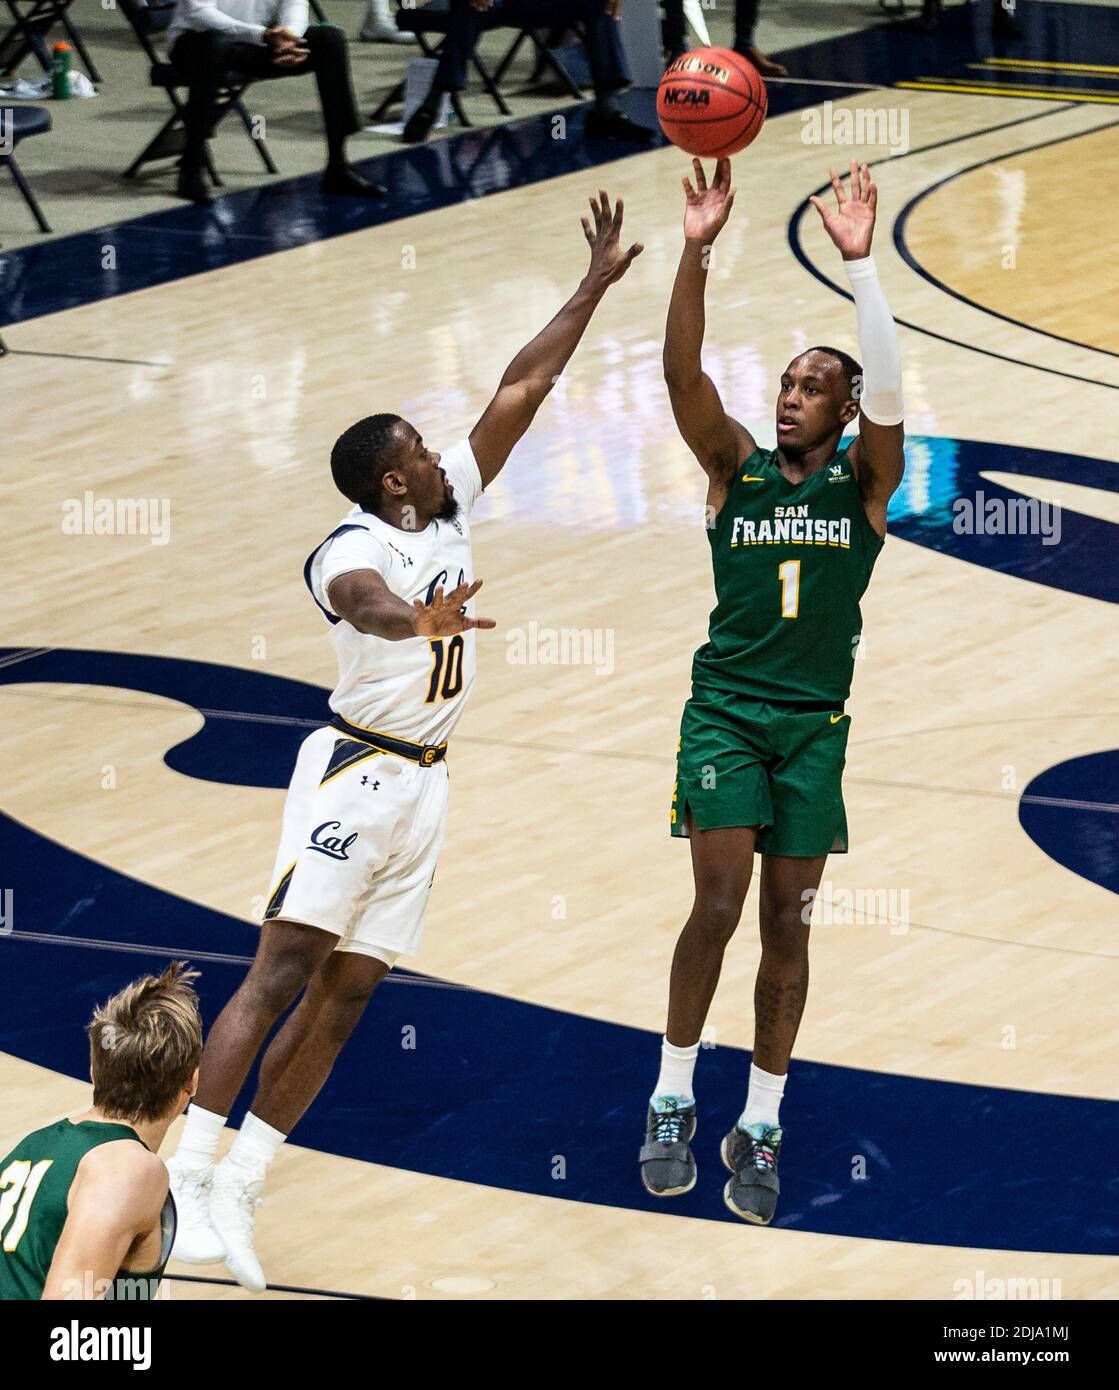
[[983, 961]]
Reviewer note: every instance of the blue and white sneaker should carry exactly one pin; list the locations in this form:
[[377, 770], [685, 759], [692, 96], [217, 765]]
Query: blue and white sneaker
[[667, 1166], [751, 1155]]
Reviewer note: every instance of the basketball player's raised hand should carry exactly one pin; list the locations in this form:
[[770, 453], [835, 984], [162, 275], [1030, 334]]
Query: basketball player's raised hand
[[443, 616], [851, 225], [706, 209], [608, 261]]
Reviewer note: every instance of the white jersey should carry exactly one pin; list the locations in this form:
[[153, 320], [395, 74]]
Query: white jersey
[[415, 688]]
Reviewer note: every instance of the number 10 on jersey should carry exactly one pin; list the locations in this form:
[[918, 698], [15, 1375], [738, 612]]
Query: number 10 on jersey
[[446, 669]]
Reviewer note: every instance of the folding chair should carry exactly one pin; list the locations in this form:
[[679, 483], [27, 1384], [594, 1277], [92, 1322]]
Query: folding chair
[[32, 22], [18, 123], [546, 60], [148, 18], [434, 18]]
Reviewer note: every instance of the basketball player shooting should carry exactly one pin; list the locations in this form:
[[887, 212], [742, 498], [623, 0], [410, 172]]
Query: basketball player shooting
[[367, 806], [794, 534]]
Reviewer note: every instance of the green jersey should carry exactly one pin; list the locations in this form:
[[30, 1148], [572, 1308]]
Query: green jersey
[[35, 1181], [791, 562]]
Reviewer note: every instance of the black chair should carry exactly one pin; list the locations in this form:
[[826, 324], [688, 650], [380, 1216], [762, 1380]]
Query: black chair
[[434, 19], [19, 122], [546, 60], [32, 21], [149, 18]]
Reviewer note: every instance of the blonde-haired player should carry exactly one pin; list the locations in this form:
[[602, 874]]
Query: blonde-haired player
[[85, 1210]]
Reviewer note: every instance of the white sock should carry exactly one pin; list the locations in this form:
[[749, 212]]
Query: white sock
[[677, 1066], [256, 1145], [200, 1136], [763, 1099]]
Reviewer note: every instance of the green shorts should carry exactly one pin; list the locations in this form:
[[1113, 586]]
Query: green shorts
[[749, 762]]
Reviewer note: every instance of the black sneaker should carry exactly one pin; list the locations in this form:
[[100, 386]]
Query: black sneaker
[[667, 1165], [191, 185], [751, 1155], [419, 124]]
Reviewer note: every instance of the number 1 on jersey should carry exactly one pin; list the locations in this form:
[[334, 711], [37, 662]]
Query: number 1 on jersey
[[789, 574]]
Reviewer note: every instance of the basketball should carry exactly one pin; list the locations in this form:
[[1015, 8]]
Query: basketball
[[711, 102]]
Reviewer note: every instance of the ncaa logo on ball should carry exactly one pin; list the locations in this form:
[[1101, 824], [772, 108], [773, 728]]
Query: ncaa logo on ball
[[686, 96]]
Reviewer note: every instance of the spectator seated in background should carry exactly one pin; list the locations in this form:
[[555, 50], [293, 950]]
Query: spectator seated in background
[[599, 18], [211, 39]]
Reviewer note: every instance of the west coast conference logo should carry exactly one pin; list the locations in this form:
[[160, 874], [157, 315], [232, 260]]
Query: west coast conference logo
[[692, 96]]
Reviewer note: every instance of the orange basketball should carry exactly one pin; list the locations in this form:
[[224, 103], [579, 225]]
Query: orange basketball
[[711, 102]]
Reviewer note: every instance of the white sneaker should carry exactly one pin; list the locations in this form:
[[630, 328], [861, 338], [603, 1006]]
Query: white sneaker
[[234, 1199], [384, 33], [196, 1241]]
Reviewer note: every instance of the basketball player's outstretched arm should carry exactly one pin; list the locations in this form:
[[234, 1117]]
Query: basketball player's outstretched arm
[[366, 602], [718, 441], [116, 1197], [876, 456], [537, 367]]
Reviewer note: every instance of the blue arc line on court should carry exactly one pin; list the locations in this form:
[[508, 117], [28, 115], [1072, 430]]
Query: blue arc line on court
[[902, 246], [482, 1088], [794, 240]]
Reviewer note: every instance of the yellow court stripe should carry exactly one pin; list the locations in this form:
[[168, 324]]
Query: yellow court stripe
[[1021, 85], [1040, 64], [1038, 93]]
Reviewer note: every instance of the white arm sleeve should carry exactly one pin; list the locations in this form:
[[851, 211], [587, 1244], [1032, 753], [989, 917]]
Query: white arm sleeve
[[207, 14], [293, 15], [881, 398]]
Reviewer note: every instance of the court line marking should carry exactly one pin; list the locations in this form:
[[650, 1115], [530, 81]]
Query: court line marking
[[1081, 96], [130, 948], [793, 237], [278, 1288], [26, 654], [911, 261], [87, 357], [139, 948], [517, 746], [1043, 65], [826, 82]]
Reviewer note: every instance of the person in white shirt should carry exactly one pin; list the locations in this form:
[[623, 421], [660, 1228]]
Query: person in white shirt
[[211, 40], [367, 805]]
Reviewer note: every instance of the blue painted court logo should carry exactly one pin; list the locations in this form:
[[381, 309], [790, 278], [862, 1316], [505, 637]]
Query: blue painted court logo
[[333, 846]]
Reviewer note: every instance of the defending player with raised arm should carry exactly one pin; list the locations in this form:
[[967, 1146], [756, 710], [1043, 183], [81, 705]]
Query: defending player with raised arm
[[84, 1205], [794, 534], [366, 811]]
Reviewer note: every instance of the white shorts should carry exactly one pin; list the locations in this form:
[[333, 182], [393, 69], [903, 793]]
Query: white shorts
[[361, 837]]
